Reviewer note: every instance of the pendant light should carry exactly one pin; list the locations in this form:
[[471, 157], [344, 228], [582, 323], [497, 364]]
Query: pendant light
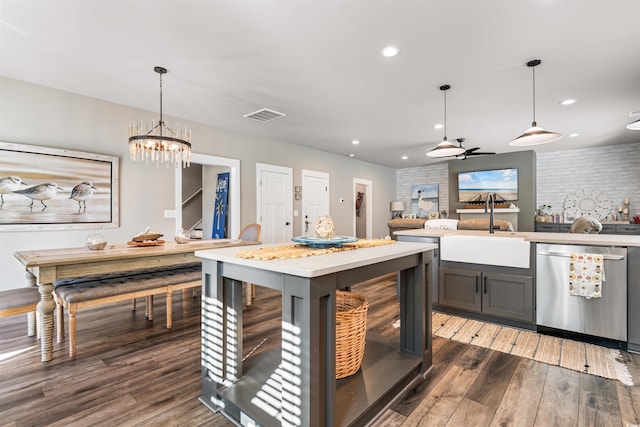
[[159, 143], [535, 135], [445, 148], [634, 125]]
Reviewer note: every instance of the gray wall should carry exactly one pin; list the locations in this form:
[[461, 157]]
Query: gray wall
[[524, 161], [445, 174], [41, 116]]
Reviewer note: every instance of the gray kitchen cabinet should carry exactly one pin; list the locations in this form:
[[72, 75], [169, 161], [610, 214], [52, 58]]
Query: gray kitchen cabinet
[[460, 288], [491, 293], [547, 227]]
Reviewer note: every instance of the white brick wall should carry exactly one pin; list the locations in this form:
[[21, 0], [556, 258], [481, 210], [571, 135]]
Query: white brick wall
[[614, 169], [436, 174]]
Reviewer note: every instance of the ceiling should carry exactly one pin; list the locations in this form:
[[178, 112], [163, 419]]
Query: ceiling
[[319, 62]]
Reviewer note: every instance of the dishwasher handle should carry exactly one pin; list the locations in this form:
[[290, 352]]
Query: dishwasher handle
[[566, 255]]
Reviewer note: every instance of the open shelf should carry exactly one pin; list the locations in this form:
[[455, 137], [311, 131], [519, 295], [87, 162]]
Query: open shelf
[[384, 370]]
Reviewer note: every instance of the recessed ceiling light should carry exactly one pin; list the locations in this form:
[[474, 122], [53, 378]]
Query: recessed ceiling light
[[352, 155], [404, 157], [355, 142], [573, 135], [568, 101], [389, 51], [438, 126]]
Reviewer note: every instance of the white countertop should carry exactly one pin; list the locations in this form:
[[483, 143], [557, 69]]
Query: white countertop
[[319, 265], [536, 237]]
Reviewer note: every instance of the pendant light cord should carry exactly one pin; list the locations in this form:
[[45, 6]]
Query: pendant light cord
[[160, 103], [445, 115], [533, 69]]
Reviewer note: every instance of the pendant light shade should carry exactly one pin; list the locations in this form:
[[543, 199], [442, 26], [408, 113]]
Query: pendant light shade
[[445, 148], [159, 143], [634, 125], [535, 135]]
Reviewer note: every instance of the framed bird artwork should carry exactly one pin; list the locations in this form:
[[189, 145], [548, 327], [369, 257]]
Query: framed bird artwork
[[56, 188]]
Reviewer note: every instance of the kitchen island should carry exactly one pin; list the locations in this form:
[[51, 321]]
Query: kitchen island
[[295, 384]]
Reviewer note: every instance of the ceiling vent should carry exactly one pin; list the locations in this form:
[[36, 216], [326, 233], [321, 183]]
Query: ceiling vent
[[264, 115]]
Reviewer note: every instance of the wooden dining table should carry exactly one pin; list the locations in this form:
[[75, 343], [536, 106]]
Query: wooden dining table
[[45, 266]]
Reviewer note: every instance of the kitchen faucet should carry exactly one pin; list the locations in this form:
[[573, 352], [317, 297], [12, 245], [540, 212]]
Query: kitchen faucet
[[489, 202]]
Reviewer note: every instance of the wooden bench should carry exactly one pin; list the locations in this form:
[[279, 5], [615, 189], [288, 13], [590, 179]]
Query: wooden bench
[[20, 301], [92, 291]]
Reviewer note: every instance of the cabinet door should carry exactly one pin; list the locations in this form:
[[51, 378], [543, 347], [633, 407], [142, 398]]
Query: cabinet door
[[564, 228], [460, 288], [627, 229], [547, 227], [508, 295], [608, 229]]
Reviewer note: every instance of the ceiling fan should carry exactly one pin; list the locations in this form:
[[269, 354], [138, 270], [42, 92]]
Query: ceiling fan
[[471, 151]]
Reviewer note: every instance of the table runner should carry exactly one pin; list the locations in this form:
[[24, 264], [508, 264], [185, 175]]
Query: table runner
[[301, 251]]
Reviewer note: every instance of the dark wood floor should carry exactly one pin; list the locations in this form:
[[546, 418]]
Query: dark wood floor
[[132, 372]]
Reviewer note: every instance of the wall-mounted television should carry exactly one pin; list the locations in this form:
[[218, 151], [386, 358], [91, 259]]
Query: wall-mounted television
[[474, 186]]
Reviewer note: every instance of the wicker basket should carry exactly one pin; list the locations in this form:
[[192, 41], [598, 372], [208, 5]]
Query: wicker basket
[[351, 329]]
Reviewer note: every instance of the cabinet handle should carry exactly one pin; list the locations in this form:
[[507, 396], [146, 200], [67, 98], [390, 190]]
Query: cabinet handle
[[476, 284], [485, 284]]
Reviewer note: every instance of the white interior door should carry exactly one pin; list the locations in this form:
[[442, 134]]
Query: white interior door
[[274, 202], [315, 199]]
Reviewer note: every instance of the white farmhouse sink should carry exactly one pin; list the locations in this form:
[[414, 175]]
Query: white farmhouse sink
[[489, 250]]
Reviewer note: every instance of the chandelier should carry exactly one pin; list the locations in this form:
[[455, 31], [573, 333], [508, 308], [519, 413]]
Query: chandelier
[[159, 143]]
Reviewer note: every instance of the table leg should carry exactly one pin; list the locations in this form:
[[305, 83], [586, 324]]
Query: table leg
[[308, 351], [45, 309], [32, 328], [221, 326], [415, 310]]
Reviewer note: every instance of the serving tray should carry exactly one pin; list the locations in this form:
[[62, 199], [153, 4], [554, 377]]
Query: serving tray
[[146, 243]]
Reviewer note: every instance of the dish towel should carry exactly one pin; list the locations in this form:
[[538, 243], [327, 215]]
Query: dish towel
[[586, 275]]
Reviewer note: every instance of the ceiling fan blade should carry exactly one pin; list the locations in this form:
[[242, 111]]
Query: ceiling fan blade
[[480, 153]]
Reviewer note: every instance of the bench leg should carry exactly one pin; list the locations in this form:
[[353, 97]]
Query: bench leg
[[249, 292], [133, 304], [169, 307], [72, 330], [60, 322], [149, 311], [31, 324]]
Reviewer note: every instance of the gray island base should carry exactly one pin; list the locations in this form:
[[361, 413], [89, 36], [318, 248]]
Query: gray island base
[[295, 384]]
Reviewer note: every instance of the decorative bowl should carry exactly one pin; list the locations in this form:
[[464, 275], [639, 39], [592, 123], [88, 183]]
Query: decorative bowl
[[96, 242], [182, 237]]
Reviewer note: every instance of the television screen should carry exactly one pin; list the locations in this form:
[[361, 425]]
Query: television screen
[[474, 186]]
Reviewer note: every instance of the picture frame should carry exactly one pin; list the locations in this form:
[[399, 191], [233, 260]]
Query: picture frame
[[424, 200], [44, 188], [434, 215]]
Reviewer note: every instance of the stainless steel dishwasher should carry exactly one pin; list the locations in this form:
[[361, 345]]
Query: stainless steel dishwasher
[[604, 317]]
